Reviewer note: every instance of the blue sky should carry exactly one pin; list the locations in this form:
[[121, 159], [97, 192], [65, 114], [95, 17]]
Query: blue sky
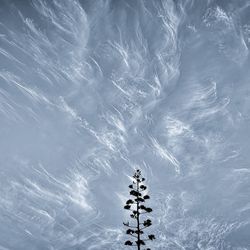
[[91, 90]]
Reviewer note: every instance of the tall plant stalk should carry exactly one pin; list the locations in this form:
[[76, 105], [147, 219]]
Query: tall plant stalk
[[137, 208]]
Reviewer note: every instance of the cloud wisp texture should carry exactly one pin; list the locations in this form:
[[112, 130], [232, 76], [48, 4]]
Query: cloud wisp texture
[[91, 90]]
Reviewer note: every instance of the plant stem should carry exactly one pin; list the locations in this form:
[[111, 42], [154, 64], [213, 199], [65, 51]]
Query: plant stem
[[137, 218]]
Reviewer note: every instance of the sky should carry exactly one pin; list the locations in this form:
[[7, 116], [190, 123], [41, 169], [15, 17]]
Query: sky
[[92, 90]]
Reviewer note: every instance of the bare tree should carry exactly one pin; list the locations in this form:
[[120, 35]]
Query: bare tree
[[138, 209]]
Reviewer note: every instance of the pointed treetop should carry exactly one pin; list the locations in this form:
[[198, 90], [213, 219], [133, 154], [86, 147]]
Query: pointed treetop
[[138, 210]]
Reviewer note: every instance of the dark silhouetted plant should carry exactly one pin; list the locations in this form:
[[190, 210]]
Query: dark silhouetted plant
[[138, 209]]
